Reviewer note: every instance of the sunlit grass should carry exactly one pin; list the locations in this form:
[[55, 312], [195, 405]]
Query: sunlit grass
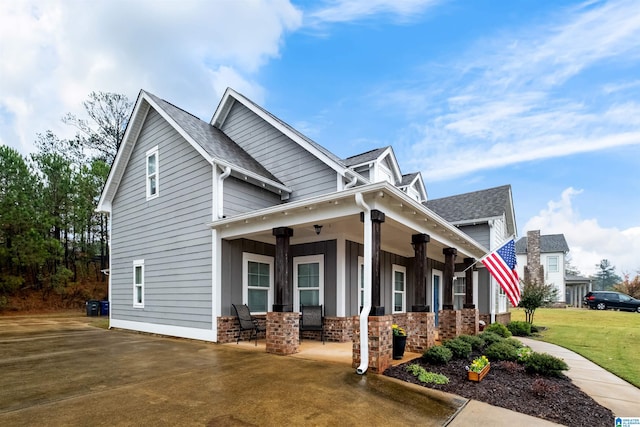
[[611, 339]]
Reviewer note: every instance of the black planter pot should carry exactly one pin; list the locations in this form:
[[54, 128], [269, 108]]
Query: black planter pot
[[399, 343]]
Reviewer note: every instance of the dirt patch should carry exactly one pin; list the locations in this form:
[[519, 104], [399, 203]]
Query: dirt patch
[[507, 385]]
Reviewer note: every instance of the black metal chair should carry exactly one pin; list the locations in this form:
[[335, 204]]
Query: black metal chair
[[247, 322], [312, 319]]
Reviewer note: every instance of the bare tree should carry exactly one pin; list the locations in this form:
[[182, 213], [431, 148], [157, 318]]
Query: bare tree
[[109, 114]]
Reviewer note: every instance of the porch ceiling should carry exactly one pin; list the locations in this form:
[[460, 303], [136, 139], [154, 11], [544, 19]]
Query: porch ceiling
[[340, 218]]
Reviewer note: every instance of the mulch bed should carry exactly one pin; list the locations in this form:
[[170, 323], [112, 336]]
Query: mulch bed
[[507, 385]]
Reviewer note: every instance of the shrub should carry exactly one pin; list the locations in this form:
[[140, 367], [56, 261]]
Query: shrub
[[523, 353], [519, 328], [545, 364], [501, 351], [460, 349], [427, 377], [514, 342], [544, 388], [490, 337], [437, 355], [476, 342], [498, 328]]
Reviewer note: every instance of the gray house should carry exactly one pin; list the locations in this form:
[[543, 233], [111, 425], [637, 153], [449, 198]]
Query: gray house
[[244, 209], [488, 217]]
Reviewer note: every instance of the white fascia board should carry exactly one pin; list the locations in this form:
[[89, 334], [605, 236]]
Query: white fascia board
[[477, 221], [335, 205], [266, 183], [394, 162], [220, 115], [138, 116]]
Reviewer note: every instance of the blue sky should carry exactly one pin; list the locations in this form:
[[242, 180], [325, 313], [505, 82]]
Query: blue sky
[[542, 95]]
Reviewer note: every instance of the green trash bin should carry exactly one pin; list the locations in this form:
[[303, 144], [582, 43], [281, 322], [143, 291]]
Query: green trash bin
[[93, 308]]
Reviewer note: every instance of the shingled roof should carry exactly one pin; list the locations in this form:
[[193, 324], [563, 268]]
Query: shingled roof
[[368, 156], [215, 142], [476, 205], [548, 243]]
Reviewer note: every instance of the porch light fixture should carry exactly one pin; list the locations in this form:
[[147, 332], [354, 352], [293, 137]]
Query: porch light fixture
[[318, 228]]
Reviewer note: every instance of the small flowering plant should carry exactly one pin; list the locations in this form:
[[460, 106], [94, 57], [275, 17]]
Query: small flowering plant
[[398, 331], [478, 364]]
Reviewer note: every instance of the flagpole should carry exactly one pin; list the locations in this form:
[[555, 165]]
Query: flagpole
[[513, 236]]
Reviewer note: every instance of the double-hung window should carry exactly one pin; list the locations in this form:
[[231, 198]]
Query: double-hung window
[[399, 274], [152, 173], [552, 264], [459, 292], [308, 278], [257, 278], [138, 283]]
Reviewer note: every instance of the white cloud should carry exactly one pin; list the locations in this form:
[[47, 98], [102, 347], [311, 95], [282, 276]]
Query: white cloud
[[55, 53], [513, 97], [589, 242], [336, 11]]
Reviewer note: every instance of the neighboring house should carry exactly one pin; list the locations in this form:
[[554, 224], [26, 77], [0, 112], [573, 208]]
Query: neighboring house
[[542, 258], [245, 209], [488, 217]]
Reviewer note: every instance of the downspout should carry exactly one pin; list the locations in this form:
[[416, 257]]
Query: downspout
[[353, 182], [222, 177], [366, 304]]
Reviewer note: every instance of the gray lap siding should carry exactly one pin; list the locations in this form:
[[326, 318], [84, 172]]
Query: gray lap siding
[[289, 162], [169, 233]]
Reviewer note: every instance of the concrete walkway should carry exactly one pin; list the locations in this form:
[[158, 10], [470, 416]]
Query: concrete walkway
[[610, 391]]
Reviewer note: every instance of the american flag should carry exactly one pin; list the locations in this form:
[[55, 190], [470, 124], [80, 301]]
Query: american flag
[[501, 263]]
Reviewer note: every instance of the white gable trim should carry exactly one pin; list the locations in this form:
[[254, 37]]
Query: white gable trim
[[138, 117], [225, 105]]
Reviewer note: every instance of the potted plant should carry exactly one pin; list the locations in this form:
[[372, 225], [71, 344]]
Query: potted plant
[[399, 341], [479, 368]]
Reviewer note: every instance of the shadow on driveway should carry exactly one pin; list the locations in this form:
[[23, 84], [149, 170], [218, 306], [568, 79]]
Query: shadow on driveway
[[62, 371]]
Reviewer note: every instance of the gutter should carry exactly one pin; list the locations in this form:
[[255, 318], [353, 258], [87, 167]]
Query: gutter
[[366, 304]]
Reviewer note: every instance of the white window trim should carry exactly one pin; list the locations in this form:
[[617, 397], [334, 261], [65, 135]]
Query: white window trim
[[151, 152], [359, 288], [309, 259], [398, 268], [557, 266], [459, 276], [264, 259], [138, 263], [440, 275]]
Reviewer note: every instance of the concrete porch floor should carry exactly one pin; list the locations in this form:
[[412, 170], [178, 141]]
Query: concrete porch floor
[[337, 352]]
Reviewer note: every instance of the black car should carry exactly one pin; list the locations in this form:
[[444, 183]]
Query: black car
[[602, 300]]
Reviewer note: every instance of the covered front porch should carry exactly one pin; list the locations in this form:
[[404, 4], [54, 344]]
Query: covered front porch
[[381, 258]]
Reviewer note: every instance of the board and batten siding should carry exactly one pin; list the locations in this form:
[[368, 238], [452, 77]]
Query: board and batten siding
[[294, 166], [387, 259], [240, 197], [169, 233]]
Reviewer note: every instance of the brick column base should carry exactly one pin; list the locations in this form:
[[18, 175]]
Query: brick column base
[[282, 332], [380, 343], [421, 331], [470, 319], [503, 318], [450, 324]]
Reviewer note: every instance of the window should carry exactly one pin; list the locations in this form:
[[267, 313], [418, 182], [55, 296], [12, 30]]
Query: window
[[138, 283], [308, 278], [459, 293], [257, 278], [399, 274], [152, 173], [552, 264], [360, 282]]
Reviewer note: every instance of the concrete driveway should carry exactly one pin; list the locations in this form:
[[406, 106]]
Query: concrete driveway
[[63, 371]]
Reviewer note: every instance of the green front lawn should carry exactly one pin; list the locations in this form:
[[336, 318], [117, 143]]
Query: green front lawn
[[609, 338]]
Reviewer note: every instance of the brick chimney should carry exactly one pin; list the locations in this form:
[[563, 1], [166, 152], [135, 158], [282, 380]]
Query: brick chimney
[[533, 271]]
